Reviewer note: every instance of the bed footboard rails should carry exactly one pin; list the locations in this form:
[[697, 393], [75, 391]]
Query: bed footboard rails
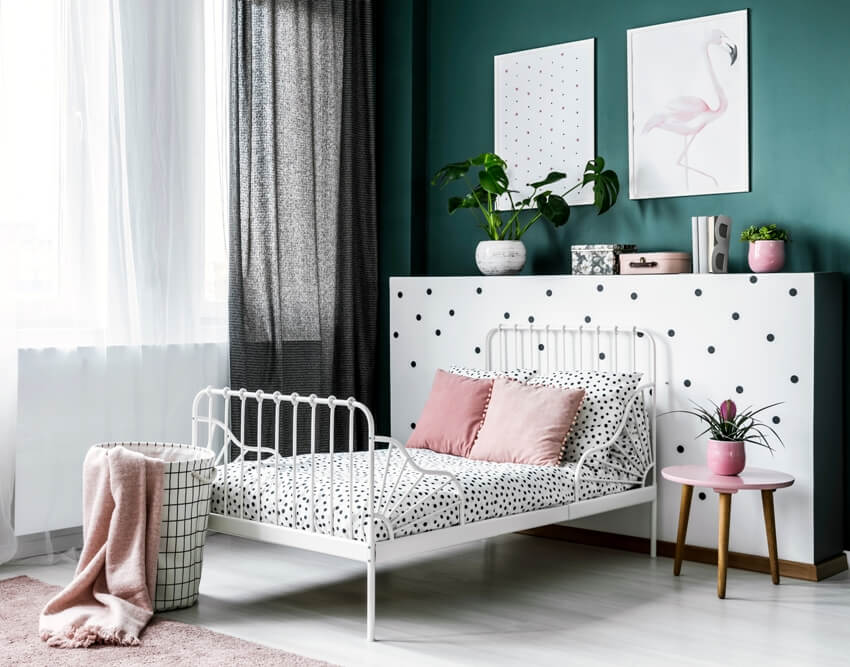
[[397, 488]]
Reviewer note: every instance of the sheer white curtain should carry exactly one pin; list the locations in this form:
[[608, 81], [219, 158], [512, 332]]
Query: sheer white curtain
[[113, 195]]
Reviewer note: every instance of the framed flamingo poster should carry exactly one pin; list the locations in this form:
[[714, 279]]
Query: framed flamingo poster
[[689, 107]]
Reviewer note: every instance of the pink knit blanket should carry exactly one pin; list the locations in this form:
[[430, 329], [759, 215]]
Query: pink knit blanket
[[110, 599]]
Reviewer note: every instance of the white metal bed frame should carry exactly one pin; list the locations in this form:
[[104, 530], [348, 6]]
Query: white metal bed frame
[[543, 348]]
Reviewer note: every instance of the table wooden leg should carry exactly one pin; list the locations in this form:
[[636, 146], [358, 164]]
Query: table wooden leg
[[770, 529], [724, 511], [684, 514]]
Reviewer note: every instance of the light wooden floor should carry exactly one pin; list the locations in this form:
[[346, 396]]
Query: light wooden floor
[[512, 600]]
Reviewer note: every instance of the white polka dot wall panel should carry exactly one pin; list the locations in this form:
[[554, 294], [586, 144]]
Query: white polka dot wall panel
[[544, 115], [749, 338]]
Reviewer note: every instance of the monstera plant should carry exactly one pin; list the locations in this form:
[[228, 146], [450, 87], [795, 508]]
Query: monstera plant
[[492, 178], [496, 257]]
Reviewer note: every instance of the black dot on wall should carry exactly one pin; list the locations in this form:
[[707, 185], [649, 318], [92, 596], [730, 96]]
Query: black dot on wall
[[601, 355], [701, 495], [478, 290], [671, 332], [776, 420], [680, 449], [599, 288], [418, 317], [477, 350], [541, 347], [412, 424], [711, 349], [413, 364], [452, 313], [795, 379], [739, 389], [548, 292], [640, 334], [507, 316], [531, 319], [736, 316], [428, 291], [770, 338], [687, 383], [437, 332], [587, 319], [698, 291], [400, 294], [753, 280], [633, 295], [792, 292], [395, 334]]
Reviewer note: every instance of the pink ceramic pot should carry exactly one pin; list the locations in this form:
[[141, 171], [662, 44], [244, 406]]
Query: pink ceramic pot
[[725, 457], [766, 256]]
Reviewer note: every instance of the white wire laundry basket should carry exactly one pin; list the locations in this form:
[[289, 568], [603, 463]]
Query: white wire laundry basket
[[189, 472]]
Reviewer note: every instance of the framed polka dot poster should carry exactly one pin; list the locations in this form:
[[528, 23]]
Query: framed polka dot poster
[[545, 115]]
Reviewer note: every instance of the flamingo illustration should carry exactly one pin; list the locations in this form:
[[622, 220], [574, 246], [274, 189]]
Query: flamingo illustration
[[688, 115]]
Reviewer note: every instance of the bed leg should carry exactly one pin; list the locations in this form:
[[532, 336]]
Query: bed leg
[[370, 600], [653, 529]]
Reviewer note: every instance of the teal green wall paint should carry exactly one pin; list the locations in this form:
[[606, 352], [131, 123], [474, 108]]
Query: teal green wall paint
[[800, 110], [799, 139], [400, 67]]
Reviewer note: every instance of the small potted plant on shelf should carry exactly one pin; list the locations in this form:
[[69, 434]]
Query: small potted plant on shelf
[[730, 431], [767, 247], [504, 252]]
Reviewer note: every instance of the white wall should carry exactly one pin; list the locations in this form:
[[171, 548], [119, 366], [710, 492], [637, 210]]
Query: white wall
[[71, 399]]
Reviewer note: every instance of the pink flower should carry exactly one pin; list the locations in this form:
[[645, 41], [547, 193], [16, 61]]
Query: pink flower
[[728, 410]]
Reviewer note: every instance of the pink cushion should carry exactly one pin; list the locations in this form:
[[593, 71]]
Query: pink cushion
[[526, 424], [452, 414]]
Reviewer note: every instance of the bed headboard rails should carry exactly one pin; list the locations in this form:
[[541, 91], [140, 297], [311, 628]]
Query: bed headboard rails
[[548, 348]]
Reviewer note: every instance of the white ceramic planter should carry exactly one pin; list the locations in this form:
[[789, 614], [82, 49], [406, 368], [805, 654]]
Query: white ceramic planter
[[500, 258]]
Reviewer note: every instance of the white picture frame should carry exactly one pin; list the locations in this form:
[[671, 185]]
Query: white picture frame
[[545, 116], [688, 108]]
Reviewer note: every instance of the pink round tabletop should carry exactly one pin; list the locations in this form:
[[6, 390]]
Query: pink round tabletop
[[750, 478]]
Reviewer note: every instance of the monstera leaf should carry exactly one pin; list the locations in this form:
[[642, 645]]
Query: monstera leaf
[[469, 200], [553, 177], [553, 207], [492, 163], [606, 185]]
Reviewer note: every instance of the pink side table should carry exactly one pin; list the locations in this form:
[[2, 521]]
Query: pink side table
[[766, 481]]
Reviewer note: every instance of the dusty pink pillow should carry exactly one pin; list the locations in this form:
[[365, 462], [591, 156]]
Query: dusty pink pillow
[[526, 424], [452, 414]]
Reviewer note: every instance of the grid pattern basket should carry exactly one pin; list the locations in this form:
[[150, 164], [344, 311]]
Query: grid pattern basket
[[188, 476]]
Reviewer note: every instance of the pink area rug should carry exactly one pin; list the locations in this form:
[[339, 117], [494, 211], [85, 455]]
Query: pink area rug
[[163, 642]]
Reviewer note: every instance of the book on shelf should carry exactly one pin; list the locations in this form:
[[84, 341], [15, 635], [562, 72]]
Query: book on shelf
[[710, 236]]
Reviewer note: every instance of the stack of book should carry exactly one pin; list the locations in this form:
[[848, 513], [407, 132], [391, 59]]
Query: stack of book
[[710, 236]]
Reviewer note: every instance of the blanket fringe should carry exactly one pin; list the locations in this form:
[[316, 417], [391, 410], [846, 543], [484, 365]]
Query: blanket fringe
[[87, 635]]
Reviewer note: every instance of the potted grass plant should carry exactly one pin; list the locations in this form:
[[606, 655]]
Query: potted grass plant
[[730, 431], [504, 252], [767, 247]]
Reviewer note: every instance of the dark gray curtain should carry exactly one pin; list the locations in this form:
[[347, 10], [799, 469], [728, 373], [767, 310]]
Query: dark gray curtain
[[303, 231]]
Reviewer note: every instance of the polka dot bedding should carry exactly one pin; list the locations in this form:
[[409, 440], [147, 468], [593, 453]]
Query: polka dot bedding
[[490, 490], [605, 399], [520, 374]]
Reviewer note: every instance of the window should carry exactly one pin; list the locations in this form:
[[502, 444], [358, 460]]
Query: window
[[114, 169]]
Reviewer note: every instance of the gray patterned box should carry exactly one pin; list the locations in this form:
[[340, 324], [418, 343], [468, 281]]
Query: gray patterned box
[[598, 259]]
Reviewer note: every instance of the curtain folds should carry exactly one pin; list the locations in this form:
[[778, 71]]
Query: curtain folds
[[113, 261], [303, 236]]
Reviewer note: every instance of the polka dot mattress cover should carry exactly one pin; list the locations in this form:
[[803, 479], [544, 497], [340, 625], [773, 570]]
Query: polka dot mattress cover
[[490, 490]]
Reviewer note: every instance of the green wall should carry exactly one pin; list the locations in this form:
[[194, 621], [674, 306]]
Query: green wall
[[799, 139]]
